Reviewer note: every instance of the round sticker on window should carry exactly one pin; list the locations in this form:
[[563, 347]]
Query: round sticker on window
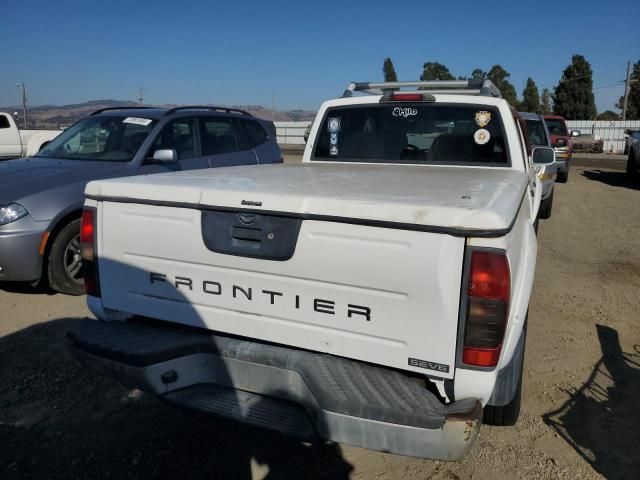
[[481, 136]]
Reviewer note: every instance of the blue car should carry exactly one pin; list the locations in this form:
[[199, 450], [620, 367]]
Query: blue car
[[41, 197]]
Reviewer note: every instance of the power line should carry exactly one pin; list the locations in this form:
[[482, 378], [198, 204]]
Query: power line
[[590, 75], [610, 85]]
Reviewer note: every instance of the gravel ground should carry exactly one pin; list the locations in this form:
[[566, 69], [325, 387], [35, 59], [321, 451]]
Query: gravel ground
[[582, 381]]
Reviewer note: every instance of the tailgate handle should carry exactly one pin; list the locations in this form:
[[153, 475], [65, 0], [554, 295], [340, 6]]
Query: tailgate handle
[[250, 234], [247, 234]]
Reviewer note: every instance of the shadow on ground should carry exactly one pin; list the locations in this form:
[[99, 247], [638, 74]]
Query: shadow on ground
[[613, 178], [60, 420], [601, 419], [26, 288]]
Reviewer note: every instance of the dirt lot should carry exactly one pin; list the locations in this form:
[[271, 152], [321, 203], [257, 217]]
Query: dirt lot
[[582, 381]]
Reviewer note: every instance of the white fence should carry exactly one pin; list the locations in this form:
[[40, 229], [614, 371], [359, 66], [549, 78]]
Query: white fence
[[291, 133], [611, 132]]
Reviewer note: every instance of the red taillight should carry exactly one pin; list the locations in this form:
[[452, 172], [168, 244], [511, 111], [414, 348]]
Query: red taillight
[[88, 251], [489, 276], [406, 97], [488, 296], [86, 234]]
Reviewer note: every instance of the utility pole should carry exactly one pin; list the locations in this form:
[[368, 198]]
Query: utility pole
[[626, 92], [273, 105], [140, 96], [24, 102]]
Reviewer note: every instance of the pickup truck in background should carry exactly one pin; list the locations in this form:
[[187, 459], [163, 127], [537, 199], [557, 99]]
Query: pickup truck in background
[[16, 143], [375, 295]]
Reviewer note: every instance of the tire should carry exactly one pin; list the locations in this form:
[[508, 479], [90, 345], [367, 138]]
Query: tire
[[632, 166], [64, 265], [507, 415], [563, 177], [545, 207]]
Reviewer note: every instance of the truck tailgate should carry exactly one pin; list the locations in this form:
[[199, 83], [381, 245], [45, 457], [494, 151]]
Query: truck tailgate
[[381, 295]]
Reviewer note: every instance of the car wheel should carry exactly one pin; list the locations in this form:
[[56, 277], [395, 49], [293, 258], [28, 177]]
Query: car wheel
[[563, 177], [545, 207], [507, 415], [65, 263], [632, 167]]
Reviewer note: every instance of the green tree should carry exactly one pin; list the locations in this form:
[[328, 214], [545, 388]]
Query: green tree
[[530, 98], [389, 71], [573, 96], [608, 115], [633, 102], [478, 73], [545, 107], [499, 76], [435, 71]]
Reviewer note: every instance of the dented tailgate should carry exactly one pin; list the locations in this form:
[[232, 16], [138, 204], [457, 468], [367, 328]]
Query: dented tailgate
[[375, 294]]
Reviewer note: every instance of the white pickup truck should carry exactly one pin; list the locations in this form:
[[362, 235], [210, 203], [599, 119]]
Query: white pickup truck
[[375, 294], [16, 143]]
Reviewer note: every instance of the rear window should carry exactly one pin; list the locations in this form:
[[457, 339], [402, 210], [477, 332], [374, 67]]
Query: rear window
[[412, 133], [537, 135], [556, 127]]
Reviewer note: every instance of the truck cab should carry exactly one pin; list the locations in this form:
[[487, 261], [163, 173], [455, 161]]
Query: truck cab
[[16, 143]]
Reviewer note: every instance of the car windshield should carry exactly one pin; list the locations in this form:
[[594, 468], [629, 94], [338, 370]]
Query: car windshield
[[537, 135], [412, 133], [101, 138], [556, 126]]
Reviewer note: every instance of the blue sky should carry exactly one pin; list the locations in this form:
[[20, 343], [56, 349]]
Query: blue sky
[[300, 52]]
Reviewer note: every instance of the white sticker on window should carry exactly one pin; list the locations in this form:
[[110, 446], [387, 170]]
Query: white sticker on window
[[137, 121], [404, 112], [481, 136], [334, 125]]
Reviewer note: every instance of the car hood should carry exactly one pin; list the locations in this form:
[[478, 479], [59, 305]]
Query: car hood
[[22, 178]]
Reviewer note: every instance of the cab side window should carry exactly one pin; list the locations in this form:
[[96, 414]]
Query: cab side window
[[4, 122], [182, 136]]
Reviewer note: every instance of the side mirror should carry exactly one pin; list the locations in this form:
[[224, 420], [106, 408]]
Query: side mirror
[[543, 156], [165, 155], [575, 133]]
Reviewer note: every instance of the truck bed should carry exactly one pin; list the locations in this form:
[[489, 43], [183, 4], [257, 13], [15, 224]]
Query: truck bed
[[457, 200]]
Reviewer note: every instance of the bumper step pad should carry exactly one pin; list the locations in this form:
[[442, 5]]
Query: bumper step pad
[[257, 410], [288, 390]]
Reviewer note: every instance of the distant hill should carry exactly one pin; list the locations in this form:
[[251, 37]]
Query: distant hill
[[57, 116]]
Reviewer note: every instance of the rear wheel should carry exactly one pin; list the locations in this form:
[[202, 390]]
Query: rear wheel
[[507, 415], [65, 263], [545, 207], [563, 177], [632, 166]]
